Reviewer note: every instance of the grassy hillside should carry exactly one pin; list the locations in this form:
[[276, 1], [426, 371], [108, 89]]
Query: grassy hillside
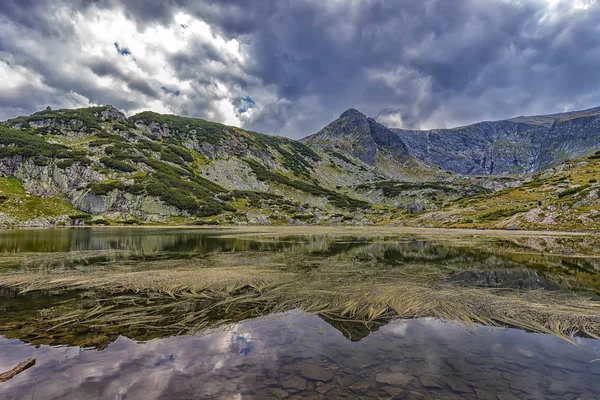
[[165, 168], [564, 197], [19, 205], [97, 166]]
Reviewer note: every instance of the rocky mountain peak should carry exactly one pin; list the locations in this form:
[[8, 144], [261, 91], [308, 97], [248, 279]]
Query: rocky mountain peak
[[110, 112], [359, 135], [353, 113]]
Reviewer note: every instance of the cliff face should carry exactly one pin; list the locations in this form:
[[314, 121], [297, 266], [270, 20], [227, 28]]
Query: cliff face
[[487, 148], [516, 146]]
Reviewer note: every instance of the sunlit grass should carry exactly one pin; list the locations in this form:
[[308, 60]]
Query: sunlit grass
[[207, 293], [364, 276]]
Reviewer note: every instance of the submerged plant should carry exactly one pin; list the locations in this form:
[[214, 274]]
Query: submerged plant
[[360, 281]]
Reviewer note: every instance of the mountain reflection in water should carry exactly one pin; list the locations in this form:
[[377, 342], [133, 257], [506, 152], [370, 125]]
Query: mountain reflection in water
[[218, 314], [293, 354]]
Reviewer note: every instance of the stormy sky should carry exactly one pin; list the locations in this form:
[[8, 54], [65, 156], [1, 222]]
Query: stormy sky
[[289, 67]]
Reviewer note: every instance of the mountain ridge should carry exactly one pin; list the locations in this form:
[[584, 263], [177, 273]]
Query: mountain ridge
[[518, 145], [97, 166]]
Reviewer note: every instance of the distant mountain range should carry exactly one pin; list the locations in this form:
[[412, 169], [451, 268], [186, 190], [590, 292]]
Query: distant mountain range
[[96, 166], [514, 146]]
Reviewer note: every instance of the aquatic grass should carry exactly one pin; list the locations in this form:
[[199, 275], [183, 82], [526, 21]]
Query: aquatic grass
[[192, 299], [357, 283]]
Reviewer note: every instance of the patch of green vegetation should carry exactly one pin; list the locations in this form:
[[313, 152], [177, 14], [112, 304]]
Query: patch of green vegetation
[[182, 153], [105, 188], [298, 159], [340, 156], [183, 189], [27, 144], [117, 165], [68, 162], [534, 184], [107, 135], [124, 151], [16, 202], [501, 213], [254, 196], [393, 189], [168, 155], [335, 199], [100, 142], [120, 126], [572, 191], [82, 118], [304, 217], [204, 131], [261, 199], [149, 145]]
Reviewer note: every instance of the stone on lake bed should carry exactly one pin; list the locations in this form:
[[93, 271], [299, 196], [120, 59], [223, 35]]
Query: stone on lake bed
[[559, 388], [476, 360], [506, 396], [279, 393], [294, 385], [522, 385], [526, 353], [558, 375], [430, 382], [315, 372], [392, 390], [325, 387], [459, 386], [594, 368], [394, 379], [265, 383], [566, 365], [485, 395], [360, 388], [413, 395]]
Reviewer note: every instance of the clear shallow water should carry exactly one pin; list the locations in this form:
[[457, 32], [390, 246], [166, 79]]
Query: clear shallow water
[[306, 357], [292, 354]]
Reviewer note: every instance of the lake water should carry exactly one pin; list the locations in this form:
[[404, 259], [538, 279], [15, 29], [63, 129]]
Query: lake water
[[222, 334]]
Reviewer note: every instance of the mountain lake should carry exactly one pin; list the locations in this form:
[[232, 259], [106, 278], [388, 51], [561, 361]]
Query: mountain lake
[[299, 313]]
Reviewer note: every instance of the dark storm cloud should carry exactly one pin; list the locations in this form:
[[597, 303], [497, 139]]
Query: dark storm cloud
[[447, 61], [105, 68], [411, 63]]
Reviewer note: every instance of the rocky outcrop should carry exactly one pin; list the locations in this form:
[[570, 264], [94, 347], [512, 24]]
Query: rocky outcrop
[[72, 182], [49, 180], [124, 205]]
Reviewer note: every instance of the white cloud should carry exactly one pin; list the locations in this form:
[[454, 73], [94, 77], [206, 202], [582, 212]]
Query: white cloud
[[132, 82], [415, 63]]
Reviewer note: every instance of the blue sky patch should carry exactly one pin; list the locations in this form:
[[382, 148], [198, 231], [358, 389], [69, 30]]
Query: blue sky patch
[[124, 51], [246, 104], [175, 93]]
